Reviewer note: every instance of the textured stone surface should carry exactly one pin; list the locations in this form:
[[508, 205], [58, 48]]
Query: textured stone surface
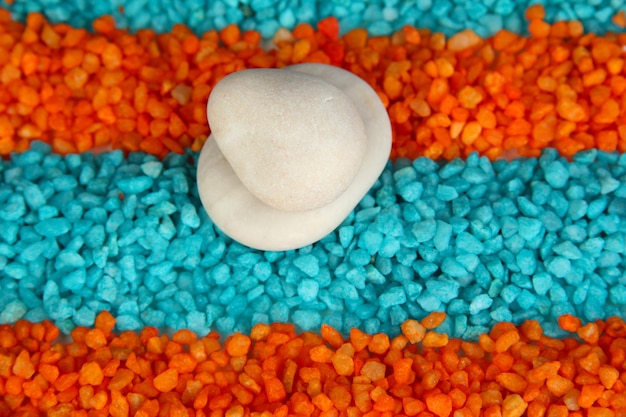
[[295, 141], [264, 143]]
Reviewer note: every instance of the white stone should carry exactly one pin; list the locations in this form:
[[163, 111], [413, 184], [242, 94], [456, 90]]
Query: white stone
[[295, 141], [267, 177]]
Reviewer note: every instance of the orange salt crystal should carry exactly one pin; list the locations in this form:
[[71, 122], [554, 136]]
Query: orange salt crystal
[[23, 366], [402, 372], [379, 343], [589, 394], [619, 19], [589, 333], [413, 330], [374, 370], [90, 374], [512, 382], [433, 320], [332, 336], [559, 386], [321, 354], [469, 97], [359, 339], [506, 340], [439, 404], [166, 381], [513, 406], [343, 364], [608, 376], [535, 11], [538, 28], [464, 40], [433, 339]]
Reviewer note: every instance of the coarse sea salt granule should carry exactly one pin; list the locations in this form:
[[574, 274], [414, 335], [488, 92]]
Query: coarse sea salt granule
[[511, 245]]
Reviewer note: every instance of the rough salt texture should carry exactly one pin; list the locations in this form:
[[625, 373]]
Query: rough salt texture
[[485, 242], [379, 17]]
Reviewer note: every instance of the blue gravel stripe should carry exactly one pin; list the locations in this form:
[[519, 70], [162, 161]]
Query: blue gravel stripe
[[485, 242], [379, 17]]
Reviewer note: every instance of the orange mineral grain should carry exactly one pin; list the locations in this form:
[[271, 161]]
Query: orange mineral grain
[[446, 98], [512, 371]]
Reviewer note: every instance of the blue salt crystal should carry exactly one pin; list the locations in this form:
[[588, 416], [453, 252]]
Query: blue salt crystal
[[47, 212], [152, 168], [64, 183], [75, 280], [425, 165], [84, 317], [359, 257], [469, 261], [189, 216], [510, 293], [343, 289], [559, 266], [357, 276], [444, 288], [33, 196], [461, 206], [526, 300], [468, 243], [237, 306], [411, 191], [593, 246], [367, 215], [115, 220], [371, 241], [279, 312], [397, 316], [389, 247], [346, 233], [12, 312], [67, 260], [529, 228], [162, 209], [221, 274], [452, 168], [542, 282], [597, 207], [567, 249], [617, 294], [446, 193], [16, 270], [308, 289], [609, 224], [558, 294], [501, 314], [307, 320], [53, 227], [551, 221], [540, 193], [574, 233], [425, 209], [393, 296], [609, 184], [453, 268], [494, 288], [615, 243], [374, 276], [608, 259], [155, 318], [185, 300], [429, 302], [527, 208], [424, 230]]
